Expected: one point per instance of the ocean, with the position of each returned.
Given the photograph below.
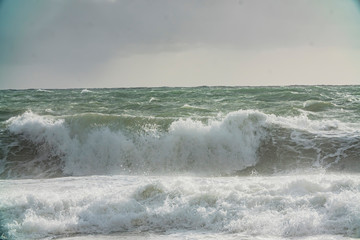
(180, 163)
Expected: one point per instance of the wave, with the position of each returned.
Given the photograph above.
(317, 106)
(86, 91)
(194, 107)
(44, 90)
(278, 207)
(239, 143)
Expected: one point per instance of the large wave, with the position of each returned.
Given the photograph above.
(241, 142)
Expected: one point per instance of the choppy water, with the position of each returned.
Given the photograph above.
(181, 163)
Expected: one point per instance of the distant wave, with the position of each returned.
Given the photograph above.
(187, 106)
(43, 90)
(316, 106)
(86, 91)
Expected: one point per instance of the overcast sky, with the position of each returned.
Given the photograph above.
(144, 43)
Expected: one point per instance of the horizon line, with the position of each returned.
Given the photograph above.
(199, 86)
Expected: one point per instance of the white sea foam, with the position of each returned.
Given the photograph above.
(44, 90)
(279, 207)
(187, 106)
(86, 91)
(153, 99)
(320, 127)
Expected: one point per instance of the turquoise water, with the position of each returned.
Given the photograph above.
(179, 163)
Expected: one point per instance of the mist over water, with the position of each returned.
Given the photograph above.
(179, 161)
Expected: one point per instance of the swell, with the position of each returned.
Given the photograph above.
(242, 142)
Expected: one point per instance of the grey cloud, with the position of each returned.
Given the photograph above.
(78, 34)
(92, 31)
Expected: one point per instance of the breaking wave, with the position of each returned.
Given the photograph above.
(241, 142)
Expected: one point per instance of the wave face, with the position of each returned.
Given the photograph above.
(183, 131)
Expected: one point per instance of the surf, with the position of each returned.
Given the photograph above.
(280, 207)
(241, 141)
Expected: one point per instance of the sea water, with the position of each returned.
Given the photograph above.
(180, 163)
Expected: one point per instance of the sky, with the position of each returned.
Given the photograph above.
(154, 43)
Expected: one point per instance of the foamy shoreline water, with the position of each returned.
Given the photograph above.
(198, 236)
(265, 207)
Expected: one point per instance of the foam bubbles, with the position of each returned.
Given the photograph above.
(279, 207)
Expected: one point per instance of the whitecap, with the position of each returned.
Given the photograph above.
(86, 91)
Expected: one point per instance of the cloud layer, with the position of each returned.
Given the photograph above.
(77, 41)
